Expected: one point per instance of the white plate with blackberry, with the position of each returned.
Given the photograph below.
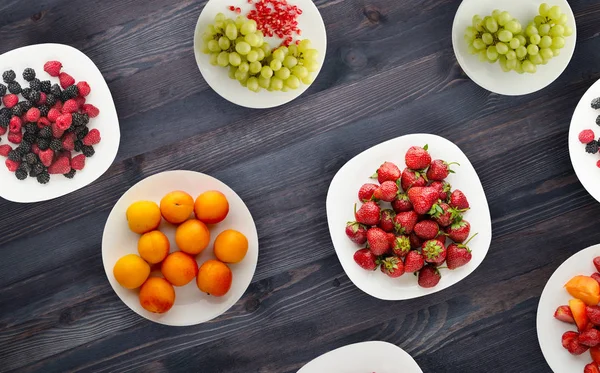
(81, 68)
(217, 76)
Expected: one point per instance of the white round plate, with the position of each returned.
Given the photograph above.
(342, 196)
(490, 76)
(191, 305)
(312, 26)
(81, 68)
(584, 163)
(365, 357)
(550, 330)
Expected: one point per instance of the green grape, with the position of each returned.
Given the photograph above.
(490, 24)
(304, 45)
(511, 55)
(292, 82)
(223, 59)
(207, 37)
(563, 19)
(308, 80)
(554, 13)
(546, 42)
(519, 68)
(472, 49)
(284, 49)
(264, 82)
(252, 56)
(558, 42)
(266, 72)
(536, 59)
(213, 46)
(261, 54)
(293, 49)
(279, 55)
(255, 67)
(220, 17)
(310, 54)
(235, 59)
(252, 84)
(283, 73)
(214, 59)
(501, 48)
(513, 26)
(556, 52)
(487, 38)
(248, 27)
(290, 61)
(546, 53)
(219, 25)
(300, 71)
(522, 39)
(244, 67)
(568, 31)
(253, 40)
(492, 53)
(266, 49)
(240, 20)
(276, 84)
(496, 14)
(543, 10)
(514, 43)
(211, 30)
(239, 39)
(224, 43)
(205, 49)
(311, 65)
(483, 55)
(231, 32)
(285, 88)
(531, 30)
(511, 64)
(275, 65)
(479, 44)
(532, 49)
(502, 62)
(505, 36)
(539, 20)
(521, 52)
(557, 30)
(243, 48)
(544, 29)
(528, 67)
(535, 39)
(241, 75)
(477, 23)
(231, 73)
(504, 18)
(468, 38)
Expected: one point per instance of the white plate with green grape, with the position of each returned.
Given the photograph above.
(527, 59)
(289, 81)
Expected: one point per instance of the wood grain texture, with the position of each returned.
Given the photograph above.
(389, 71)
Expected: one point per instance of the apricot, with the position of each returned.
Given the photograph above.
(192, 237)
(154, 247)
(214, 278)
(211, 207)
(231, 246)
(585, 288)
(179, 268)
(143, 216)
(176, 207)
(131, 271)
(577, 307)
(157, 295)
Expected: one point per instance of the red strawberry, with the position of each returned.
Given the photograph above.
(387, 220)
(5, 149)
(415, 241)
(78, 163)
(15, 138)
(401, 203)
(429, 276)
(414, 261)
(459, 200)
(593, 314)
(93, 138)
(46, 157)
(457, 255)
(405, 222)
(83, 88)
(43, 122)
(458, 231)
(442, 213)
(386, 192)
(391, 238)
(422, 198)
(43, 98)
(427, 229)
(12, 165)
(596, 262)
(443, 189)
(60, 167)
(378, 241)
(91, 110)
(596, 276)
(392, 266)
(68, 141)
(32, 115)
(53, 68)
(10, 100)
(576, 348)
(366, 259)
(366, 192)
(439, 170)
(53, 114)
(441, 237)
(69, 106)
(590, 337)
(15, 124)
(412, 178)
(387, 172)
(368, 214)
(417, 158)
(591, 368)
(65, 80)
(356, 232)
(63, 122)
(35, 149)
(434, 252)
(567, 337)
(401, 245)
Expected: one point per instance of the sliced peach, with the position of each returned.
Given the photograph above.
(577, 307)
(585, 288)
(595, 352)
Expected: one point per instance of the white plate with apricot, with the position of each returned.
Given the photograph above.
(180, 248)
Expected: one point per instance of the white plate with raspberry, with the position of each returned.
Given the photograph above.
(549, 329)
(81, 68)
(342, 196)
(367, 357)
(312, 27)
(586, 165)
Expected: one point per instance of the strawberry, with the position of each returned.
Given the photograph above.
(70, 106)
(567, 337)
(387, 172)
(5, 149)
(65, 80)
(83, 88)
(392, 266)
(60, 167)
(414, 261)
(90, 110)
(429, 276)
(459, 200)
(576, 348)
(93, 138)
(385, 192)
(427, 229)
(68, 141)
(441, 238)
(590, 337)
(596, 262)
(591, 368)
(53, 68)
(401, 245)
(63, 122)
(564, 314)
(442, 213)
(366, 259)
(368, 214)
(595, 354)
(439, 170)
(443, 189)
(417, 158)
(415, 241)
(412, 178)
(596, 276)
(53, 114)
(14, 125)
(366, 192)
(387, 220)
(593, 314)
(32, 115)
(457, 255)
(405, 222)
(458, 231)
(10, 100)
(401, 203)
(12, 165)
(46, 157)
(378, 241)
(43, 122)
(15, 138)
(355, 231)
(391, 237)
(422, 198)
(434, 252)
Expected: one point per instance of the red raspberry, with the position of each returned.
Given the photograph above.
(43, 122)
(35, 149)
(10, 100)
(32, 115)
(58, 105)
(43, 98)
(12, 165)
(68, 142)
(15, 138)
(5, 149)
(80, 101)
(56, 131)
(586, 136)
(2, 130)
(65, 80)
(60, 167)
(14, 126)
(46, 157)
(78, 162)
(64, 121)
(83, 88)
(92, 138)
(91, 110)
(53, 68)
(70, 106)
(53, 115)
(65, 153)
(598, 164)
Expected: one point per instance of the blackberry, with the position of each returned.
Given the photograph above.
(56, 145)
(45, 133)
(55, 90)
(45, 86)
(26, 92)
(598, 120)
(71, 91)
(596, 103)
(34, 97)
(24, 148)
(78, 145)
(35, 84)
(14, 87)
(31, 158)
(9, 76)
(21, 174)
(70, 174)
(26, 105)
(43, 144)
(37, 169)
(31, 128)
(30, 137)
(44, 109)
(88, 151)
(25, 167)
(80, 119)
(4, 121)
(2, 89)
(592, 147)
(14, 155)
(43, 178)
(29, 74)
(82, 132)
(50, 99)
(18, 110)
(5, 112)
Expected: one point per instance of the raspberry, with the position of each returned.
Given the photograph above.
(80, 101)
(92, 138)
(91, 110)
(35, 149)
(2, 130)
(5, 149)
(43, 122)
(70, 106)
(10, 100)
(46, 157)
(60, 167)
(42, 99)
(53, 68)
(12, 165)
(84, 89)
(15, 138)
(598, 164)
(58, 105)
(78, 162)
(32, 115)
(15, 124)
(65, 80)
(586, 136)
(68, 142)
(53, 114)
(57, 132)
(64, 121)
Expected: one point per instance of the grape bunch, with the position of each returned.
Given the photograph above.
(238, 45)
(500, 37)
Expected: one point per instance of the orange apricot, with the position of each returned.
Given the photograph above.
(585, 288)
(143, 216)
(154, 247)
(211, 207)
(179, 268)
(131, 271)
(577, 307)
(214, 278)
(231, 246)
(157, 295)
(176, 207)
(192, 237)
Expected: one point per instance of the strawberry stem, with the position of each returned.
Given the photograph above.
(473, 236)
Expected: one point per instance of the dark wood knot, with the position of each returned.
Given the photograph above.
(336, 283)
(354, 58)
(373, 14)
(252, 305)
(69, 316)
(36, 17)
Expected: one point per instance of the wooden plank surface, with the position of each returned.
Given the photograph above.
(390, 70)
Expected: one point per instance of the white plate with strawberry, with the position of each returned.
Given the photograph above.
(568, 316)
(424, 212)
(365, 357)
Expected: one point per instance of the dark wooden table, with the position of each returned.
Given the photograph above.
(390, 70)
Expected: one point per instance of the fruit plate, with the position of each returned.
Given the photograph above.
(550, 330)
(584, 163)
(490, 76)
(342, 196)
(191, 306)
(375, 356)
(80, 67)
(312, 26)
